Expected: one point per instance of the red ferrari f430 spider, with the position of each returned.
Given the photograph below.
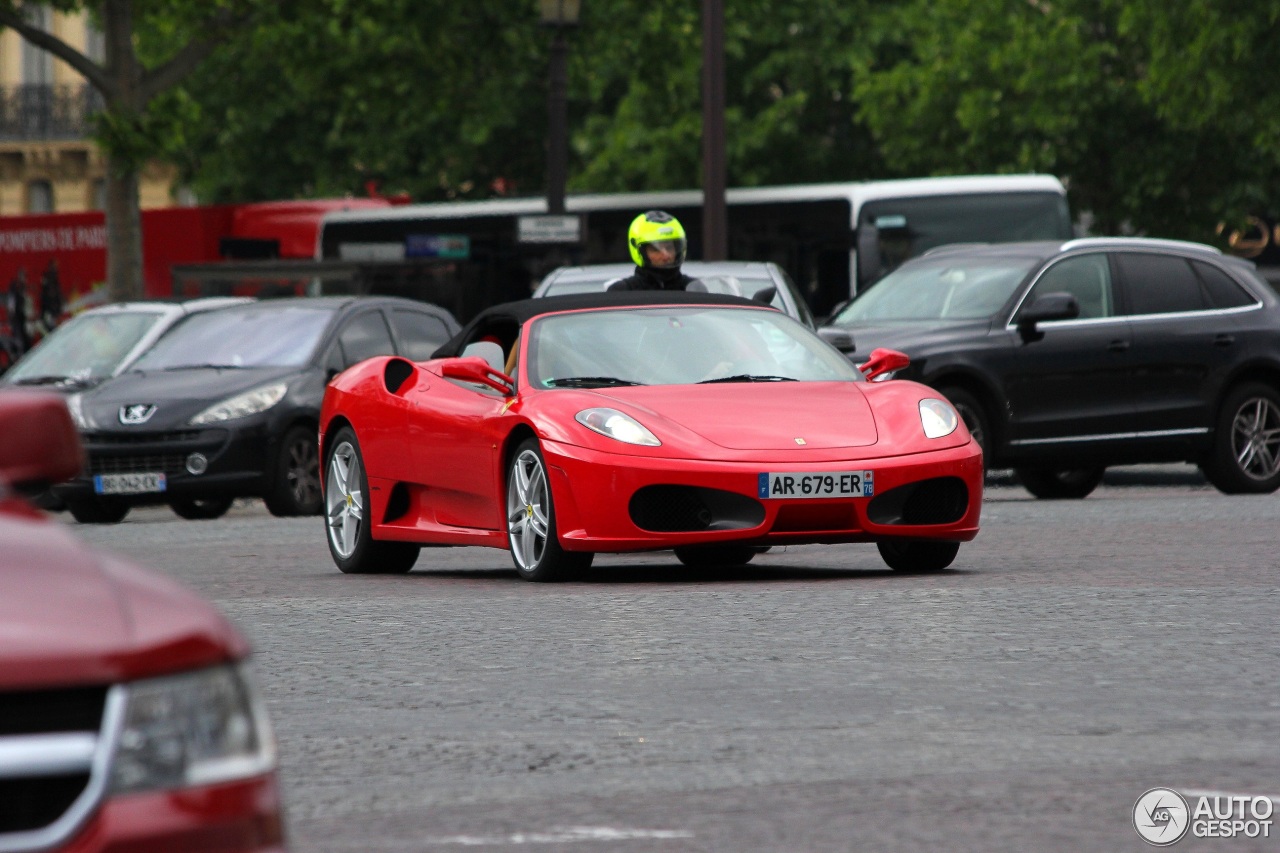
(564, 427)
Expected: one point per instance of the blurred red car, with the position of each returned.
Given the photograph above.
(128, 720)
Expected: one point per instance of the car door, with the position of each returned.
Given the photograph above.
(1182, 343)
(1072, 384)
(455, 446)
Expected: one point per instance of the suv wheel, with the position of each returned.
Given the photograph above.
(1246, 442)
(1054, 483)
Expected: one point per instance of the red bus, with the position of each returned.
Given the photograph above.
(69, 250)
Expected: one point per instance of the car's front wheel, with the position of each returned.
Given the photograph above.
(1246, 445)
(97, 510)
(917, 555)
(295, 486)
(1061, 483)
(531, 521)
(346, 490)
(197, 509)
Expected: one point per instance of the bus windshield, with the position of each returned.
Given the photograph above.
(893, 230)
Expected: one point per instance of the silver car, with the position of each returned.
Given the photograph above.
(738, 278)
(101, 343)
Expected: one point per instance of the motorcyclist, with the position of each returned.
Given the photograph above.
(658, 245)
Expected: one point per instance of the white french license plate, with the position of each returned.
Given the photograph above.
(833, 484)
(128, 484)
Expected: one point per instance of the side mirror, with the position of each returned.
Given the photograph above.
(838, 338)
(883, 363)
(41, 446)
(765, 295)
(476, 369)
(1050, 306)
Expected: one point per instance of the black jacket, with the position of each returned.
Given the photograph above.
(649, 278)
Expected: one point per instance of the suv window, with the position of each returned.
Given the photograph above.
(1159, 284)
(1222, 289)
(1087, 278)
(420, 334)
(365, 336)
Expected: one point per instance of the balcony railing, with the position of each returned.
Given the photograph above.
(47, 112)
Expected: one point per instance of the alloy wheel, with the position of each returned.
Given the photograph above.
(344, 500)
(1255, 438)
(303, 473)
(527, 506)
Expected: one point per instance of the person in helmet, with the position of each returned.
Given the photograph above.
(657, 243)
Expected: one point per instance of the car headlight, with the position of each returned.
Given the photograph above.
(243, 405)
(938, 418)
(617, 425)
(198, 728)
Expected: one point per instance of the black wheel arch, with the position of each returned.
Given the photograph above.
(985, 392)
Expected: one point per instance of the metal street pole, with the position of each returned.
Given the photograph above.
(714, 219)
(557, 125)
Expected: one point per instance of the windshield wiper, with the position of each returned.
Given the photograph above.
(748, 377)
(590, 382)
(204, 367)
(78, 381)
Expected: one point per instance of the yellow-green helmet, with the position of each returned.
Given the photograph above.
(656, 227)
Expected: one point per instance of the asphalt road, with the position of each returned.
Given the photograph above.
(1080, 653)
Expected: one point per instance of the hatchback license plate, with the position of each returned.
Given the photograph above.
(128, 484)
(835, 484)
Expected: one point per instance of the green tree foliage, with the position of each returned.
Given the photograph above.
(1158, 116)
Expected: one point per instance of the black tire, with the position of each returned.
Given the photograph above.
(1245, 458)
(975, 418)
(354, 550)
(531, 521)
(96, 510)
(711, 556)
(295, 488)
(1060, 483)
(200, 509)
(917, 555)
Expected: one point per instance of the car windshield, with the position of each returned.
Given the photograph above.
(947, 288)
(281, 336)
(735, 285)
(84, 349)
(679, 346)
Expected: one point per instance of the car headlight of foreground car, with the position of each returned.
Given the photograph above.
(242, 405)
(618, 426)
(197, 728)
(938, 418)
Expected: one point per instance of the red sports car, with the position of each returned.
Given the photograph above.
(568, 426)
(127, 720)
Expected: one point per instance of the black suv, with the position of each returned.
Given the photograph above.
(1064, 358)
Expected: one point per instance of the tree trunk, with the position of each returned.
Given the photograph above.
(124, 233)
(124, 220)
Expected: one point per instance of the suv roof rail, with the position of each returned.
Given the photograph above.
(1139, 242)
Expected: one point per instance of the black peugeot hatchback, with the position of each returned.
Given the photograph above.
(1066, 358)
(227, 405)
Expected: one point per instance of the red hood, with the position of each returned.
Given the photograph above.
(759, 416)
(70, 616)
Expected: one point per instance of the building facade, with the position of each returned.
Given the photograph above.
(48, 163)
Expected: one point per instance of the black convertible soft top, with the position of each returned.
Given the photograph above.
(503, 321)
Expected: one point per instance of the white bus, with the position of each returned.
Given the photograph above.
(833, 239)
